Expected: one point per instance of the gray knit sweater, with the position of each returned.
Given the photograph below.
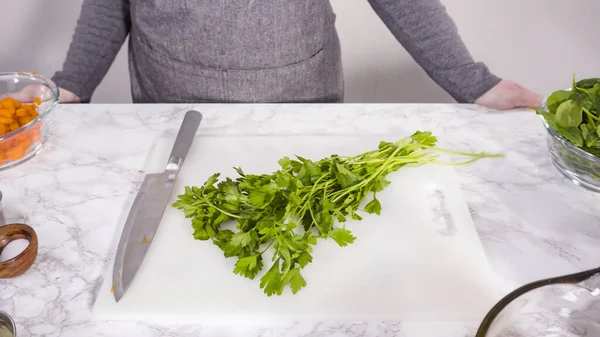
(253, 50)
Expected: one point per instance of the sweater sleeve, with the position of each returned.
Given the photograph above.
(102, 27)
(427, 32)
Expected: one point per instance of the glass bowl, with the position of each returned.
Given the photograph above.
(566, 306)
(26, 104)
(578, 165)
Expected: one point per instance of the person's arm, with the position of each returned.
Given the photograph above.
(431, 37)
(102, 27)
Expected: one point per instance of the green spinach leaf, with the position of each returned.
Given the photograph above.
(569, 114)
(587, 83)
(556, 98)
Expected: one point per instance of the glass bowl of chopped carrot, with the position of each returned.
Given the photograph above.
(26, 104)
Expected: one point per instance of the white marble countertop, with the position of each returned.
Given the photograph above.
(532, 221)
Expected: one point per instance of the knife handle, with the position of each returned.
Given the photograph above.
(185, 137)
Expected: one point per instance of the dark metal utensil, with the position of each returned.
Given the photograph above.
(148, 208)
(495, 312)
(6, 322)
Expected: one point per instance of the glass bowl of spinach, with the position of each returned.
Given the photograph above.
(572, 119)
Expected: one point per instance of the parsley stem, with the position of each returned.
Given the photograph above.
(367, 154)
(269, 246)
(396, 160)
(459, 153)
(456, 163)
(309, 206)
(384, 166)
(220, 210)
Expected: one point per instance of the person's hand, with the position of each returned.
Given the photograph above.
(509, 95)
(65, 96)
(27, 94)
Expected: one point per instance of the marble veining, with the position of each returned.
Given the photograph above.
(533, 222)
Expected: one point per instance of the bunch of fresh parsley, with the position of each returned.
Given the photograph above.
(289, 210)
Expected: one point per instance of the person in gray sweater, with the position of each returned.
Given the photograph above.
(196, 51)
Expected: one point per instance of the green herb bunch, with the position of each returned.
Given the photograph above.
(289, 210)
(575, 114)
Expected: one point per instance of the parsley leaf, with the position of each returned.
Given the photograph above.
(424, 138)
(285, 162)
(309, 173)
(373, 207)
(345, 177)
(342, 236)
(295, 279)
(271, 282)
(241, 239)
(248, 266)
(304, 259)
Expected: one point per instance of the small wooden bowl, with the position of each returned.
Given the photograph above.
(22, 262)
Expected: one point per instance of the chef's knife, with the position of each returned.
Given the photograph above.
(148, 207)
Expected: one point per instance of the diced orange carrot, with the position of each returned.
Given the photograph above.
(35, 135)
(15, 153)
(6, 113)
(14, 125)
(24, 111)
(25, 143)
(8, 103)
(24, 120)
(37, 101)
(22, 137)
(4, 146)
(4, 120)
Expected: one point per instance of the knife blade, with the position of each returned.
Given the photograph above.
(148, 207)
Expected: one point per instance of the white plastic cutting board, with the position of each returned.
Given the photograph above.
(405, 264)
